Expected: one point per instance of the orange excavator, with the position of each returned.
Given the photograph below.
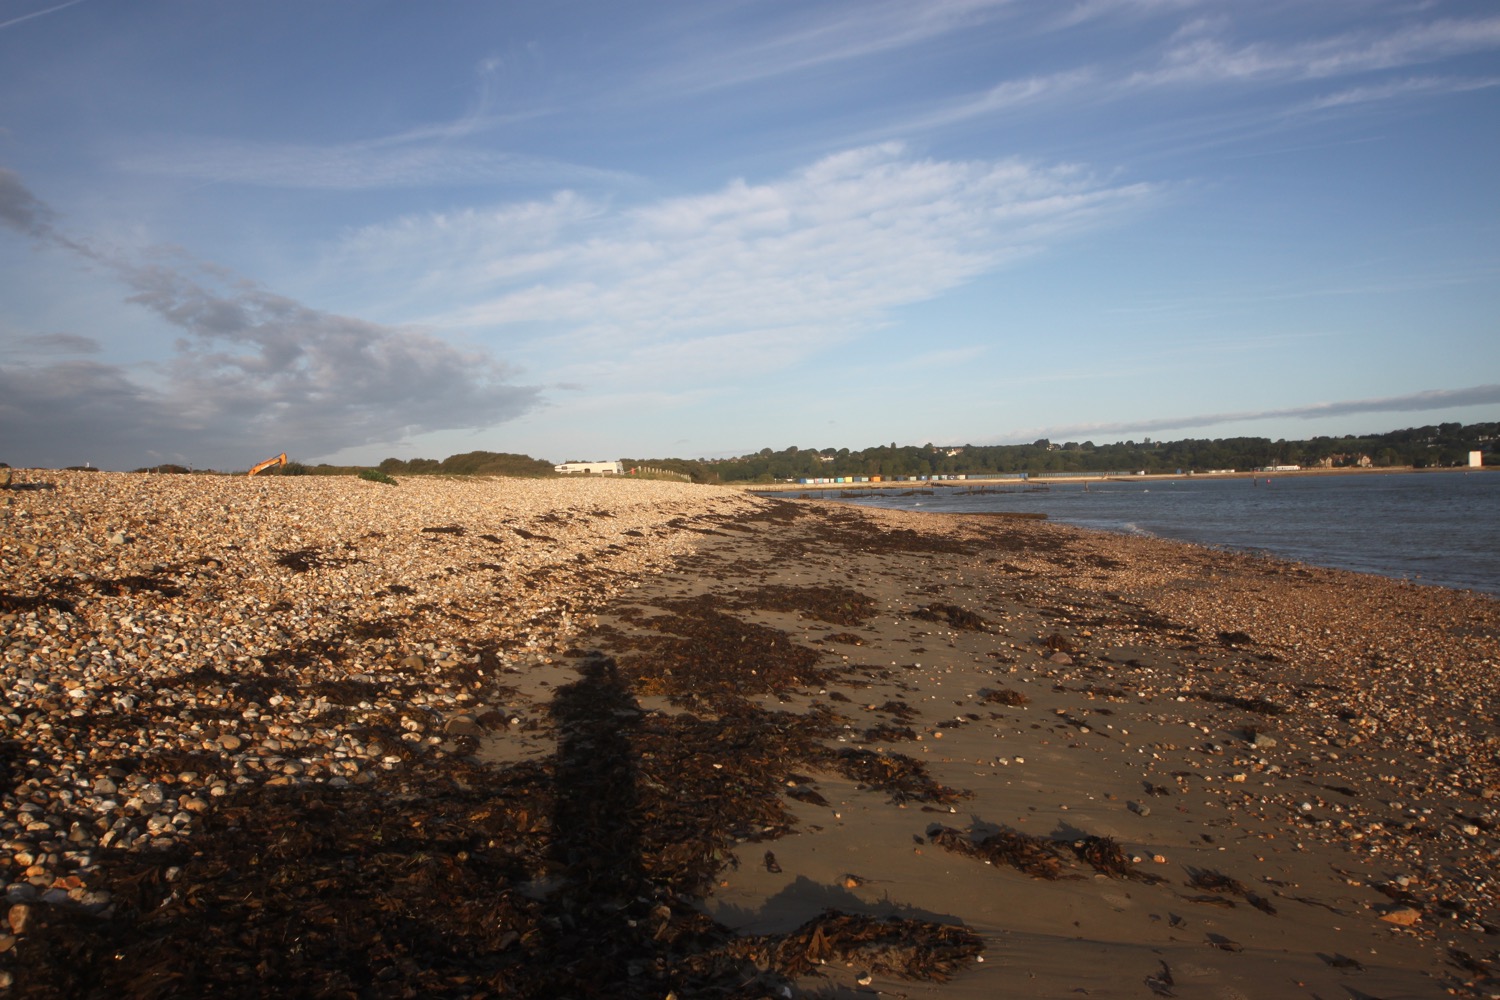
(263, 466)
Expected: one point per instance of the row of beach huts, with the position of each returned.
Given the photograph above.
(839, 480)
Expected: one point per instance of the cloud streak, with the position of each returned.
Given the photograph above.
(39, 13)
(1201, 59)
(396, 162)
(750, 277)
(1417, 402)
(255, 371)
(820, 39)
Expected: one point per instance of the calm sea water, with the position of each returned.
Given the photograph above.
(1436, 528)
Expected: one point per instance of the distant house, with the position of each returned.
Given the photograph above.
(590, 468)
(1476, 459)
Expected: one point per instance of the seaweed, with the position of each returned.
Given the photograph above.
(956, 617)
(1034, 856)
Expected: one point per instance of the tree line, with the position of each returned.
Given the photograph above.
(1433, 446)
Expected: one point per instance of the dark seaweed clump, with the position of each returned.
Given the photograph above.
(835, 605)
(955, 616)
(1035, 856)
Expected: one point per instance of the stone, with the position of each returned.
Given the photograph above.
(1402, 916)
(230, 742)
(1262, 741)
(20, 917)
(463, 725)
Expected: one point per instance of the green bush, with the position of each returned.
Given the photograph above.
(376, 476)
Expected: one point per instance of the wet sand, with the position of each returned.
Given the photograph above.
(1047, 762)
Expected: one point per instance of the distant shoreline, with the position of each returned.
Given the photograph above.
(1101, 477)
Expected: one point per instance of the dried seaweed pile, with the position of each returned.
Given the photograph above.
(955, 616)
(910, 949)
(1003, 696)
(1035, 856)
(709, 658)
(905, 778)
(1041, 857)
(835, 605)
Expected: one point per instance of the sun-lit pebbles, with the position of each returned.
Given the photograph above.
(165, 639)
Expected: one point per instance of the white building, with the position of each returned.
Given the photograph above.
(594, 468)
(1476, 459)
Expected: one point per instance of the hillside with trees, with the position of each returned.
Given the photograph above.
(1433, 446)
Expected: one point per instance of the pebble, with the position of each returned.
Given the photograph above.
(203, 585)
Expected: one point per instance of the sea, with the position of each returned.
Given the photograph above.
(1440, 528)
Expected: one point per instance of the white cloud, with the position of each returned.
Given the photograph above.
(1201, 59)
(753, 274)
(1423, 86)
(1004, 96)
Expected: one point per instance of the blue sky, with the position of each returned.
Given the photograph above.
(582, 230)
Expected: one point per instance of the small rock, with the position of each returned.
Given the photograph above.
(230, 742)
(1062, 658)
(1139, 808)
(463, 725)
(20, 917)
(1263, 742)
(1402, 916)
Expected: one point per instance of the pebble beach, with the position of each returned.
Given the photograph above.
(760, 747)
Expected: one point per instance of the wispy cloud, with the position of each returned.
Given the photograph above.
(821, 35)
(38, 13)
(1005, 96)
(1420, 86)
(256, 370)
(1417, 402)
(50, 344)
(394, 162)
(1203, 59)
(748, 276)
(1091, 10)
(426, 154)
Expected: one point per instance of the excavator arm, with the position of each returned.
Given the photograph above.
(263, 466)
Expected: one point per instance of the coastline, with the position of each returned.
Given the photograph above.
(1089, 477)
(451, 641)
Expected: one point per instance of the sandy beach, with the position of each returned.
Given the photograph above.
(318, 736)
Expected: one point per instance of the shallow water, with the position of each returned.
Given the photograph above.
(1437, 528)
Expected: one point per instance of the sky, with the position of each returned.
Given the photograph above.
(582, 230)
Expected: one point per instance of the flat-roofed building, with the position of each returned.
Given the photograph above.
(590, 468)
